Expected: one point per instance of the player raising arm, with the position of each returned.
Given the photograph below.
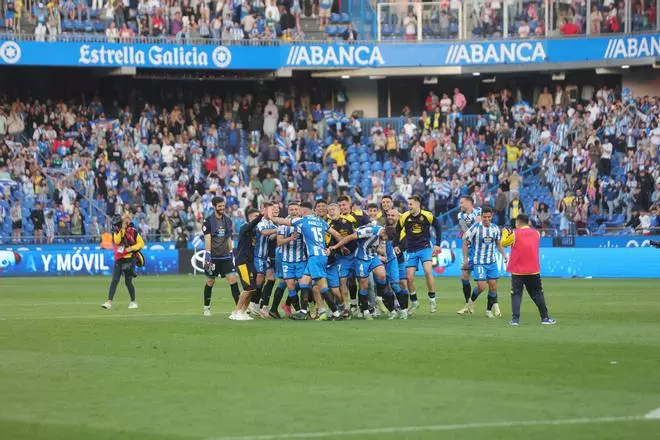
(485, 238)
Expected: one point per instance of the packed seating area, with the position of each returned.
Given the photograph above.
(115, 20)
(238, 20)
(576, 165)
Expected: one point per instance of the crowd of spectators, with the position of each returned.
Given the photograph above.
(486, 18)
(574, 162)
(229, 20)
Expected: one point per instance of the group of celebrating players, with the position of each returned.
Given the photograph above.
(330, 253)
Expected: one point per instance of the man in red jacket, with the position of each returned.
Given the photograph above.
(525, 268)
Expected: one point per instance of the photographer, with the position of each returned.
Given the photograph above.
(126, 243)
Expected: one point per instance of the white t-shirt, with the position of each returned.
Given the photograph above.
(409, 129)
(607, 150)
(655, 136)
(410, 23)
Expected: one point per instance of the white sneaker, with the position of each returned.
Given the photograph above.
(107, 305)
(496, 310)
(489, 314)
(414, 305)
(253, 310)
(381, 305)
(434, 306)
(366, 315)
(403, 314)
(207, 310)
(467, 310)
(132, 305)
(264, 312)
(393, 315)
(470, 306)
(242, 316)
(232, 316)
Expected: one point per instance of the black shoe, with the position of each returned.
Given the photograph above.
(275, 314)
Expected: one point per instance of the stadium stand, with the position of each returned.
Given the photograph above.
(589, 167)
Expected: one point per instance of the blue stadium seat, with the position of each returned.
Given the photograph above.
(335, 18)
(99, 26)
(345, 18)
(331, 31)
(67, 26)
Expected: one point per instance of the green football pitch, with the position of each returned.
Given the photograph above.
(70, 370)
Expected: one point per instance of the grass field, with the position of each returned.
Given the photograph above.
(70, 370)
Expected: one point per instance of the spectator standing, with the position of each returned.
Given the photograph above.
(16, 221)
(38, 221)
(410, 26)
(459, 100)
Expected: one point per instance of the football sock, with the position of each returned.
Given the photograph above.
(413, 297)
(431, 295)
(305, 294)
(352, 288)
(475, 293)
(364, 300)
(293, 299)
(256, 295)
(235, 292)
(279, 293)
(492, 299)
(467, 289)
(327, 296)
(403, 299)
(207, 294)
(388, 300)
(267, 291)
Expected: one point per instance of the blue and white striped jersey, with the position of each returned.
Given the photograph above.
(484, 240)
(261, 247)
(313, 230)
(294, 251)
(467, 219)
(368, 241)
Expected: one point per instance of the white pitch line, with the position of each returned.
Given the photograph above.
(453, 427)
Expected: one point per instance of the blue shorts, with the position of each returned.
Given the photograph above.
(260, 264)
(403, 273)
(346, 266)
(483, 272)
(365, 267)
(316, 267)
(419, 256)
(279, 269)
(392, 270)
(293, 271)
(333, 276)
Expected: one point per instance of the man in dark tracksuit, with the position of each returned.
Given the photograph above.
(126, 242)
(244, 260)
